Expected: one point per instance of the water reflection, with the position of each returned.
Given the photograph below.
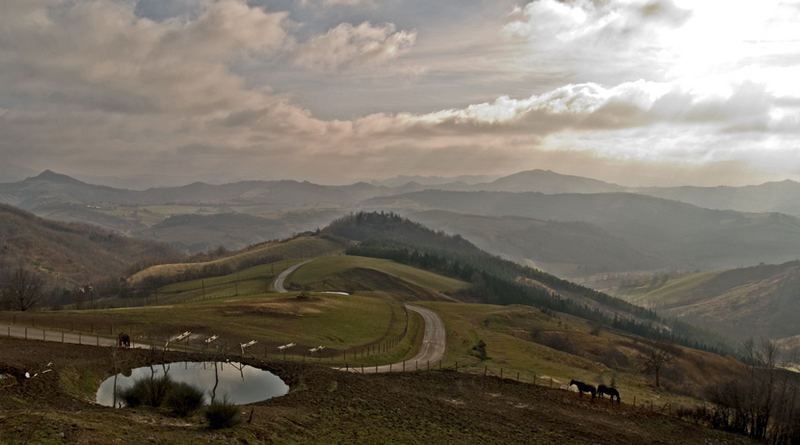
(241, 384)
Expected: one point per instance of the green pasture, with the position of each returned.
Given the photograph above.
(509, 333)
(300, 247)
(324, 271)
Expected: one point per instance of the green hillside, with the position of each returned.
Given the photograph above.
(348, 272)
(298, 247)
(741, 303)
(497, 281)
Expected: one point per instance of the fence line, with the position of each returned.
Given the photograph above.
(225, 351)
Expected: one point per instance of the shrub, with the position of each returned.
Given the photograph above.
(479, 350)
(183, 399)
(147, 391)
(222, 415)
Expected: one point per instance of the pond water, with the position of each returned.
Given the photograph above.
(241, 384)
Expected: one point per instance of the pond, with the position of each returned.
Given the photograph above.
(241, 384)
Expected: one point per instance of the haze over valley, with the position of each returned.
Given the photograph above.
(477, 222)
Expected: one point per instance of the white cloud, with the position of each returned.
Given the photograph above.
(89, 83)
(347, 46)
(341, 2)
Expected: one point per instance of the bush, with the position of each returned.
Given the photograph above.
(479, 350)
(183, 399)
(222, 415)
(147, 391)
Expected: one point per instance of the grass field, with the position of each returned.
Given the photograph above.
(524, 340)
(323, 406)
(328, 271)
(675, 291)
(338, 322)
(300, 247)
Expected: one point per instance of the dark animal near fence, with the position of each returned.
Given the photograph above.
(611, 391)
(124, 340)
(584, 387)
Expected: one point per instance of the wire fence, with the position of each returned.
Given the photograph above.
(347, 360)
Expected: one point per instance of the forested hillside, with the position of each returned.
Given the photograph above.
(65, 255)
(497, 281)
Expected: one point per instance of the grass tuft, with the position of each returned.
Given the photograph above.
(222, 414)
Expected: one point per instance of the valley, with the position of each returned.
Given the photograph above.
(486, 263)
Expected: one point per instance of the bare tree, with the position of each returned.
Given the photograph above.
(22, 289)
(654, 360)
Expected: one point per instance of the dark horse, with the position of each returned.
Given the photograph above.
(611, 391)
(583, 387)
(123, 340)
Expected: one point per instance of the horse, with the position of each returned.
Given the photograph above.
(584, 387)
(610, 390)
(123, 340)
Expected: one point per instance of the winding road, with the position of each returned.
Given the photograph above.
(278, 285)
(433, 341)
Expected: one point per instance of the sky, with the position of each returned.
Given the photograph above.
(167, 92)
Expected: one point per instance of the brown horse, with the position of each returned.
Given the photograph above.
(584, 387)
(123, 340)
(610, 390)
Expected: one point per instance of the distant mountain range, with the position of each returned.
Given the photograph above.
(566, 224)
(566, 248)
(672, 233)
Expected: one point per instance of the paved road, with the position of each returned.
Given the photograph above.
(278, 286)
(430, 353)
(433, 341)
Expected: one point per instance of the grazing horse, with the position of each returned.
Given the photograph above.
(584, 387)
(123, 340)
(610, 390)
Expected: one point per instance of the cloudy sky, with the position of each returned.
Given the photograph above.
(157, 92)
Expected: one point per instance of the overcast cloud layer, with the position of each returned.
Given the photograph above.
(172, 91)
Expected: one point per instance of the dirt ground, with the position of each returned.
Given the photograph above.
(323, 406)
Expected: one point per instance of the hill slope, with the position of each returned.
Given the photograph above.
(73, 253)
(569, 249)
(741, 303)
(681, 235)
(768, 197)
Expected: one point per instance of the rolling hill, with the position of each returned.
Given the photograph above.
(759, 301)
(768, 197)
(569, 249)
(675, 234)
(69, 254)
